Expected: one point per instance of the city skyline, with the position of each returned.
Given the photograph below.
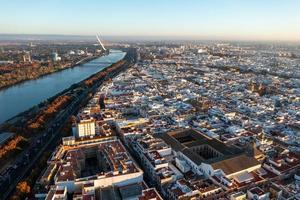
(164, 100)
(203, 20)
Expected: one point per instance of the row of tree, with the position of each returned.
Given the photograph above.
(19, 74)
(104, 73)
(10, 146)
(46, 114)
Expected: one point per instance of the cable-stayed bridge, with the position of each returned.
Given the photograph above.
(101, 44)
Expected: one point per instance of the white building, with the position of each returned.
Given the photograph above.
(86, 128)
(57, 193)
(56, 57)
(258, 194)
(238, 196)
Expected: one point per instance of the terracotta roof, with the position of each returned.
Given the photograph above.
(184, 140)
(150, 193)
(236, 164)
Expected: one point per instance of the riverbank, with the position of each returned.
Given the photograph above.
(20, 98)
(81, 62)
(34, 109)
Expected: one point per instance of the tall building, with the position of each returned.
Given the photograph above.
(86, 128)
(56, 57)
(27, 57)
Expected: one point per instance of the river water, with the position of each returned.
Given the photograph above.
(23, 96)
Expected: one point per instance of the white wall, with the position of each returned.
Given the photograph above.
(120, 180)
(207, 169)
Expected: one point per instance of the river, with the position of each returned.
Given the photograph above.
(20, 97)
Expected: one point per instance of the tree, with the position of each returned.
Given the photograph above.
(11, 145)
(23, 188)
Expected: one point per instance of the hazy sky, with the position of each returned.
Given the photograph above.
(194, 19)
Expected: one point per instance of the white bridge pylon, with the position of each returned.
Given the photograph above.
(101, 44)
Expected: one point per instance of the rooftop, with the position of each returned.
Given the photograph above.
(83, 161)
(236, 164)
(191, 142)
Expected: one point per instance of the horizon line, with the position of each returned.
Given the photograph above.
(153, 37)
